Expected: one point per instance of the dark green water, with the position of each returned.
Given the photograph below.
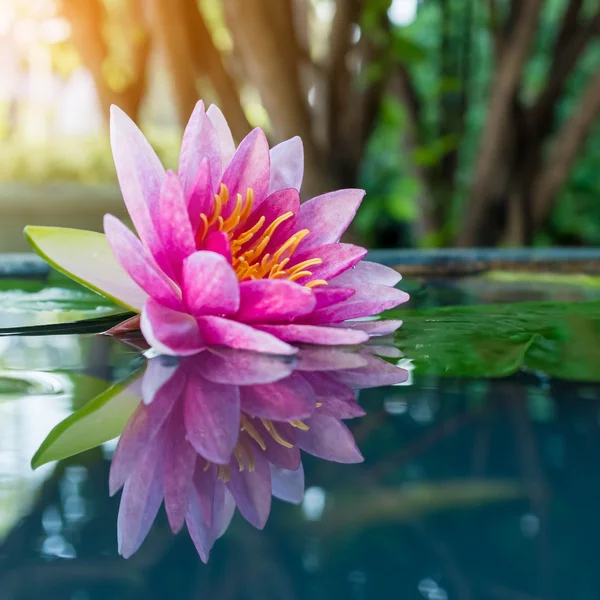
(480, 480)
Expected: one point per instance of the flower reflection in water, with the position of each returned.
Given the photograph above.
(224, 429)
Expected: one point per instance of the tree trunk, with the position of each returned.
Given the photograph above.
(170, 30)
(502, 97)
(87, 22)
(271, 61)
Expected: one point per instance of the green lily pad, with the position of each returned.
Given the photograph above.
(86, 257)
(99, 421)
(557, 339)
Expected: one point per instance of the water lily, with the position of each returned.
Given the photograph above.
(226, 253)
(224, 429)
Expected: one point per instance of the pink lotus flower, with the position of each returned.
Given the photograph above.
(226, 254)
(225, 428)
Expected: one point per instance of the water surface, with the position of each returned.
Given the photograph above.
(480, 478)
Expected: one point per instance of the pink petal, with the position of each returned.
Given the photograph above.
(237, 367)
(369, 299)
(200, 141)
(218, 242)
(204, 502)
(328, 216)
(337, 399)
(212, 418)
(140, 501)
(336, 258)
(368, 272)
(224, 332)
(159, 371)
(272, 300)
(251, 490)
(179, 464)
(226, 142)
(287, 165)
(249, 168)
(170, 332)
(377, 373)
(288, 485)
(332, 358)
(374, 328)
(329, 439)
(311, 334)
(139, 264)
(174, 224)
(286, 400)
(210, 285)
(328, 295)
(201, 196)
(141, 430)
(140, 174)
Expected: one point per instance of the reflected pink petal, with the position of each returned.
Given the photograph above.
(288, 485)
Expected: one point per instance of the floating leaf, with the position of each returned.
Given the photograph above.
(558, 339)
(86, 257)
(100, 420)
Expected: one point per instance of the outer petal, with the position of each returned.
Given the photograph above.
(336, 258)
(249, 168)
(329, 439)
(286, 400)
(374, 328)
(368, 272)
(326, 296)
(337, 399)
(141, 430)
(174, 225)
(141, 499)
(272, 300)
(140, 174)
(179, 463)
(237, 367)
(210, 285)
(170, 332)
(200, 141)
(329, 358)
(369, 299)
(212, 418)
(224, 332)
(328, 216)
(309, 334)
(287, 165)
(377, 373)
(226, 143)
(204, 503)
(251, 490)
(139, 264)
(288, 485)
(201, 196)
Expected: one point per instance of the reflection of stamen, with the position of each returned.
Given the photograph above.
(247, 451)
(224, 472)
(275, 434)
(300, 425)
(206, 466)
(319, 404)
(238, 456)
(251, 431)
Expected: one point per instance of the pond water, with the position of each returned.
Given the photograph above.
(480, 477)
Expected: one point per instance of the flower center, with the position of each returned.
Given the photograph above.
(243, 451)
(248, 246)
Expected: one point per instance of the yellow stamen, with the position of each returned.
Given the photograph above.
(313, 262)
(315, 283)
(275, 434)
(296, 276)
(248, 206)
